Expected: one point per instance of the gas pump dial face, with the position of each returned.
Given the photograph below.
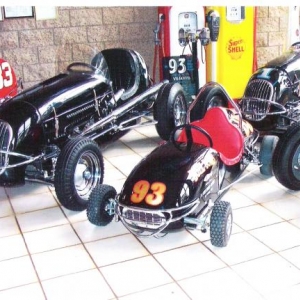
(188, 22)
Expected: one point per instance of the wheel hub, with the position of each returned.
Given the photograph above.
(87, 175)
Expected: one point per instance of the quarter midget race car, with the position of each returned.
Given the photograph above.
(181, 183)
(271, 104)
(52, 132)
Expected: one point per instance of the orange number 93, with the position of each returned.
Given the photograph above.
(141, 192)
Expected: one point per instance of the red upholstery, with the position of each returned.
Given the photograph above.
(227, 138)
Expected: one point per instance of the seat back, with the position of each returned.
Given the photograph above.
(227, 138)
(124, 70)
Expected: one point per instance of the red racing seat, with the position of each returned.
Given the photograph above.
(227, 138)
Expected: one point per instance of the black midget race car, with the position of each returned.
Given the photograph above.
(271, 101)
(181, 183)
(51, 132)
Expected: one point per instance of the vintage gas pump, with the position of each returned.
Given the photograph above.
(231, 61)
(183, 38)
(213, 23)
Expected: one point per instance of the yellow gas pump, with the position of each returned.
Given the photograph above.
(231, 59)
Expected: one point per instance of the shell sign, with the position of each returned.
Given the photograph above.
(236, 47)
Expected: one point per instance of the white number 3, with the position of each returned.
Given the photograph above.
(6, 76)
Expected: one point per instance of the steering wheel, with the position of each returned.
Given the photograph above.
(81, 64)
(186, 147)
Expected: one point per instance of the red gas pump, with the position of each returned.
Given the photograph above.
(182, 39)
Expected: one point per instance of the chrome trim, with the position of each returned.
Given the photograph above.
(6, 136)
(258, 101)
(256, 109)
(259, 89)
(122, 109)
(166, 216)
(28, 160)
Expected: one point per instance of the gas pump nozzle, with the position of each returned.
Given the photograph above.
(204, 36)
(181, 37)
(156, 31)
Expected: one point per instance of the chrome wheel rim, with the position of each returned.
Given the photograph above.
(179, 111)
(296, 163)
(87, 174)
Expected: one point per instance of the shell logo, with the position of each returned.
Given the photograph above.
(236, 47)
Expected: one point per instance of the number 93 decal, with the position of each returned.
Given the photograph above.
(152, 194)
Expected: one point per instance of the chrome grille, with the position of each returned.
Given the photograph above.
(256, 101)
(143, 219)
(5, 141)
(259, 89)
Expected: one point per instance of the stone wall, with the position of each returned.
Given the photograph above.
(271, 32)
(31, 46)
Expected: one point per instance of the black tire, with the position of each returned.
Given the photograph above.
(170, 109)
(72, 184)
(220, 223)
(286, 158)
(211, 97)
(267, 148)
(100, 211)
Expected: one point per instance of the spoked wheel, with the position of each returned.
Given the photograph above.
(212, 96)
(221, 223)
(286, 158)
(267, 148)
(101, 206)
(170, 109)
(79, 169)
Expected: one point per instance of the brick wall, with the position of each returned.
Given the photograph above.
(271, 30)
(31, 46)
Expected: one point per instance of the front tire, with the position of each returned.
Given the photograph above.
(100, 209)
(79, 169)
(211, 97)
(170, 109)
(286, 158)
(220, 223)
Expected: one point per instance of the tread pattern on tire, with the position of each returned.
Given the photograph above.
(218, 224)
(162, 109)
(282, 159)
(64, 189)
(95, 208)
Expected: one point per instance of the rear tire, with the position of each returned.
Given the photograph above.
(286, 158)
(170, 109)
(79, 169)
(220, 223)
(211, 97)
(100, 209)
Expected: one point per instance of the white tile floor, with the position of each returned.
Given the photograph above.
(48, 252)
